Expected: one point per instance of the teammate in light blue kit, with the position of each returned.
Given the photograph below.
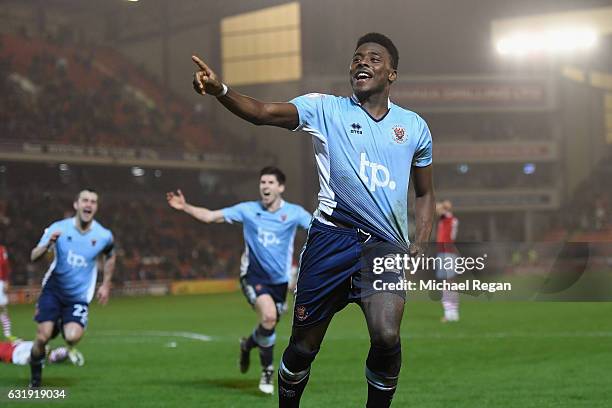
(269, 227)
(367, 149)
(69, 284)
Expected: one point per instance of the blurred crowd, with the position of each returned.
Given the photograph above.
(54, 93)
(590, 206)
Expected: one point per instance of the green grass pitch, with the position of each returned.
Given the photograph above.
(514, 354)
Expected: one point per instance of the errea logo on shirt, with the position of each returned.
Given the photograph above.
(356, 129)
(379, 175)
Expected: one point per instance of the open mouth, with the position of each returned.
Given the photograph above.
(266, 194)
(87, 211)
(362, 76)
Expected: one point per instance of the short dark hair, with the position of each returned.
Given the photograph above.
(91, 190)
(280, 176)
(383, 40)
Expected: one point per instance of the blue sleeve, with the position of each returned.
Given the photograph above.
(44, 240)
(310, 110)
(423, 153)
(304, 218)
(234, 213)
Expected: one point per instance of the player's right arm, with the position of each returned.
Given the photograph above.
(281, 114)
(44, 245)
(178, 202)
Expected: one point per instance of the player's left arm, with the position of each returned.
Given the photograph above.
(109, 268)
(422, 178)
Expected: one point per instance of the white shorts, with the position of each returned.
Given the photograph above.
(21, 354)
(3, 295)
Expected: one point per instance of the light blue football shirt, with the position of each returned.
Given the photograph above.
(74, 270)
(268, 238)
(364, 164)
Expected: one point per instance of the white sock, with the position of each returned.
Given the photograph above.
(6, 324)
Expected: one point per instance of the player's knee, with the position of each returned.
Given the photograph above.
(42, 338)
(385, 337)
(72, 335)
(296, 361)
(268, 320)
(43, 335)
(304, 347)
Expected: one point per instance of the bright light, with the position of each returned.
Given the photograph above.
(64, 167)
(552, 41)
(463, 168)
(137, 171)
(529, 168)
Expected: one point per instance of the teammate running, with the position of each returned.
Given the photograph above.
(69, 284)
(269, 227)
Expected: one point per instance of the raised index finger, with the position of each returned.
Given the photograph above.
(200, 63)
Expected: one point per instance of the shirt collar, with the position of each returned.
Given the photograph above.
(282, 204)
(356, 100)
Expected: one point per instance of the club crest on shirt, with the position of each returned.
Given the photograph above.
(93, 242)
(283, 217)
(399, 134)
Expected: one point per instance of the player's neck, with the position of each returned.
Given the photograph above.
(274, 205)
(82, 226)
(376, 104)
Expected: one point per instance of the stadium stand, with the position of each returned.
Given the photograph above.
(62, 94)
(590, 209)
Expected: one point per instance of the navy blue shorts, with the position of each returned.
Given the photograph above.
(336, 268)
(252, 288)
(52, 308)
